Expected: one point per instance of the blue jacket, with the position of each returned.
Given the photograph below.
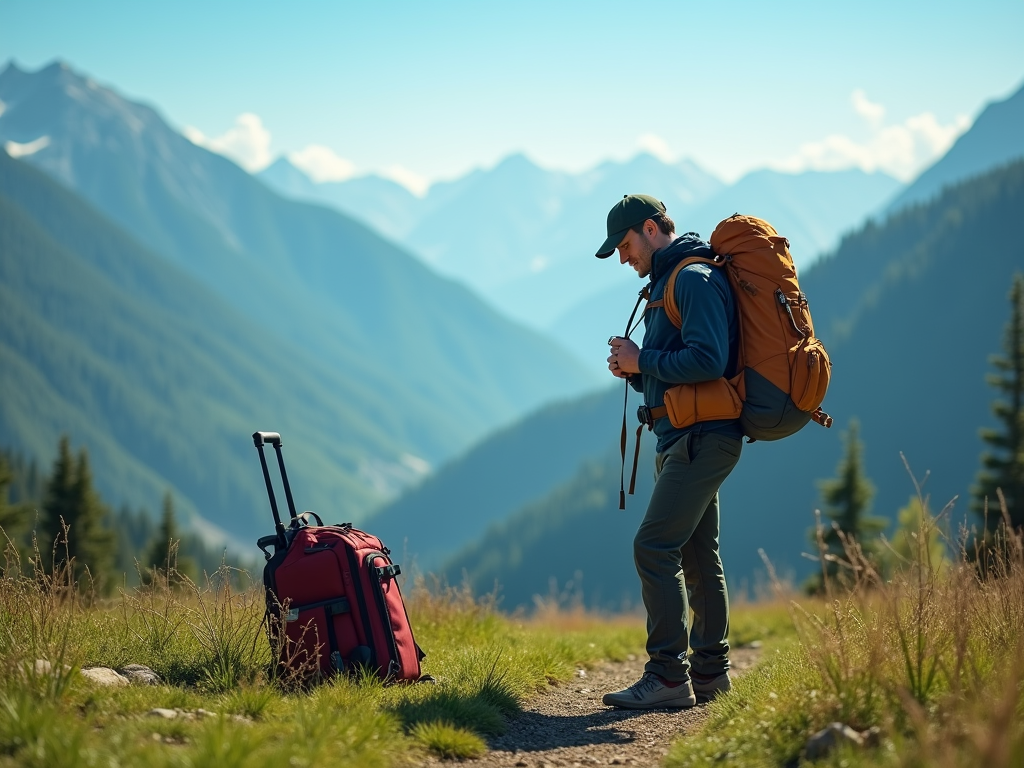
(706, 346)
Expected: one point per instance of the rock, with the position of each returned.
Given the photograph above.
(42, 667)
(826, 740)
(104, 676)
(754, 644)
(581, 673)
(140, 674)
(205, 713)
(166, 714)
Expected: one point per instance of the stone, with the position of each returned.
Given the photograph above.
(581, 673)
(140, 674)
(166, 714)
(43, 667)
(104, 676)
(826, 740)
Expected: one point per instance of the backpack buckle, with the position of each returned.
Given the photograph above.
(643, 415)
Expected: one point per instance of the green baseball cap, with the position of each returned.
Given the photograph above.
(628, 212)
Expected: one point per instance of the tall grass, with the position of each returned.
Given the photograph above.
(931, 653)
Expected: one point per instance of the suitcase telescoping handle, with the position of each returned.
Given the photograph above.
(259, 438)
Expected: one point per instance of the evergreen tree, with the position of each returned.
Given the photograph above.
(91, 540)
(7, 518)
(58, 504)
(847, 502)
(1003, 466)
(72, 502)
(163, 554)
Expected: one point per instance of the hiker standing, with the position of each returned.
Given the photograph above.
(676, 546)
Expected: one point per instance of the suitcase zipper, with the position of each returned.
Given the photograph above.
(363, 613)
(383, 607)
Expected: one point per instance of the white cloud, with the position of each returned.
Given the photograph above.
(322, 164)
(655, 145)
(869, 110)
(247, 143)
(902, 149)
(411, 180)
(14, 149)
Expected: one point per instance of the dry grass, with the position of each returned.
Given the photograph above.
(932, 653)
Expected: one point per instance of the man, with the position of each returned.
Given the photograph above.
(676, 546)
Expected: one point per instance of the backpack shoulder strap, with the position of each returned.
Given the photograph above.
(668, 299)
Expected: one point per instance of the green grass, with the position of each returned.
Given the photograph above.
(208, 645)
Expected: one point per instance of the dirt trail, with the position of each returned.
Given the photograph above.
(567, 725)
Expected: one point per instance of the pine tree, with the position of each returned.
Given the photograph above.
(72, 503)
(847, 502)
(91, 542)
(163, 555)
(58, 504)
(7, 519)
(1003, 466)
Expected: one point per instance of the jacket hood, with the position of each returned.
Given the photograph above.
(684, 246)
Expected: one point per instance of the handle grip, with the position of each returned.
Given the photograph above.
(260, 438)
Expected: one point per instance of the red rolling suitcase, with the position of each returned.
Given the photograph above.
(333, 591)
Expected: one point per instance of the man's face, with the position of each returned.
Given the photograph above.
(636, 249)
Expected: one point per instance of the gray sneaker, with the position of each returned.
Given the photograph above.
(650, 693)
(709, 688)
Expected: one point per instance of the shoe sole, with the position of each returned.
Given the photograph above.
(668, 704)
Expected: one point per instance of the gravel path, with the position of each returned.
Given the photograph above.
(567, 725)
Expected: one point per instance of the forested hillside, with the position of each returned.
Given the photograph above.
(436, 354)
(164, 383)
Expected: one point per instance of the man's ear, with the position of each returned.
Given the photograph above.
(650, 228)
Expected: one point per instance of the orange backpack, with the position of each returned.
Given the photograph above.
(783, 369)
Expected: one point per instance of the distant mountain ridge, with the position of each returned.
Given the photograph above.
(317, 278)
(996, 138)
(524, 236)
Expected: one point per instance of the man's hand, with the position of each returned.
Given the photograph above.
(624, 357)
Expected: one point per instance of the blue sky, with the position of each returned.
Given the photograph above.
(423, 91)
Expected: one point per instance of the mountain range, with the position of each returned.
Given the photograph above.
(993, 140)
(524, 237)
(386, 341)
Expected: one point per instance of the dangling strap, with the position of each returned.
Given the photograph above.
(644, 294)
(821, 418)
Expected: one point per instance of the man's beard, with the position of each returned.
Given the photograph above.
(647, 252)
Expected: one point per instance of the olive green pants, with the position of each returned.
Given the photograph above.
(676, 554)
